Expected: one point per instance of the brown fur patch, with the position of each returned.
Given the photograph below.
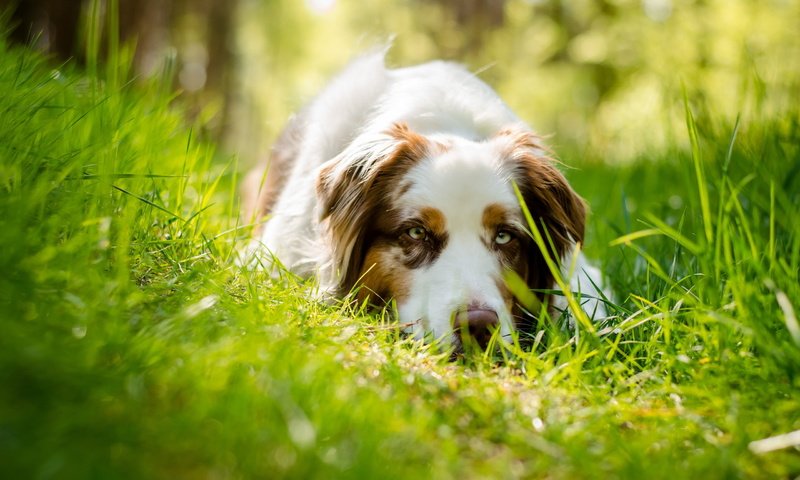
(434, 220)
(494, 215)
(383, 277)
(415, 145)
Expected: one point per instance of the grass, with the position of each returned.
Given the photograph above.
(132, 346)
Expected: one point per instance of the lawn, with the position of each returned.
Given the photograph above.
(132, 344)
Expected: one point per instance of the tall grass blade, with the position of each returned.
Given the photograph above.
(552, 265)
(702, 187)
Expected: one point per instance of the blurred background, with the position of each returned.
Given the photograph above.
(604, 78)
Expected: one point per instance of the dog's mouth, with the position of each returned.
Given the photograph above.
(464, 345)
(465, 340)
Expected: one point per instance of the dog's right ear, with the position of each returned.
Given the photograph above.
(356, 184)
(351, 175)
(548, 195)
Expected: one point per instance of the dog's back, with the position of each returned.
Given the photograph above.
(315, 134)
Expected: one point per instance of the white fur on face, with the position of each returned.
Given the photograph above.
(460, 183)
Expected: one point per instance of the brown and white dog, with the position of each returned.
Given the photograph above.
(398, 184)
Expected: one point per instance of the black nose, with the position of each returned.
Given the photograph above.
(479, 323)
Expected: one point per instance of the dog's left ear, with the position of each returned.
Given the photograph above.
(549, 197)
(356, 184)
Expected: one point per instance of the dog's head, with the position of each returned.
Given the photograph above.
(434, 223)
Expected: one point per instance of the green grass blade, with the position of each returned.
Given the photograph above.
(702, 188)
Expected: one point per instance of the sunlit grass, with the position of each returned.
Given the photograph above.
(133, 346)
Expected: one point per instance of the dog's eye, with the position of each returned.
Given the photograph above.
(417, 233)
(502, 237)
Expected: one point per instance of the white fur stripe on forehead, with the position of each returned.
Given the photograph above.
(461, 182)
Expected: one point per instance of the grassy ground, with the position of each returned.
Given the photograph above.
(131, 345)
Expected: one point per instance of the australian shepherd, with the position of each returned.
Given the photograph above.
(405, 184)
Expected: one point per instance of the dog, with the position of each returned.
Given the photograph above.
(399, 184)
